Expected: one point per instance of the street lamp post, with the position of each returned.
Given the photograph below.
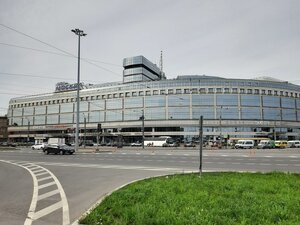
(79, 33)
(143, 128)
(28, 129)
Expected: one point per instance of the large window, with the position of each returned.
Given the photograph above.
(66, 118)
(202, 100)
(97, 105)
(207, 113)
(17, 112)
(288, 103)
(155, 113)
(132, 114)
(68, 107)
(250, 100)
(179, 100)
(289, 114)
(83, 107)
(114, 104)
(271, 101)
(17, 120)
(155, 101)
(28, 111)
(271, 114)
(252, 113)
(39, 120)
(298, 103)
(52, 119)
(230, 100)
(52, 109)
(298, 115)
(40, 110)
(96, 116)
(113, 115)
(228, 113)
(179, 113)
(133, 103)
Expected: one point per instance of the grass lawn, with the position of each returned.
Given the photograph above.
(214, 198)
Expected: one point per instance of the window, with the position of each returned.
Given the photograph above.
(210, 90)
(276, 93)
(109, 96)
(103, 96)
(170, 91)
(141, 93)
(186, 91)
(226, 90)
(148, 93)
(250, 100)
(269, 92)
(249, 91)
(281, 93)
(178, 91)
(219, 90)
(227, 100)
(256, 91)
(115, 95)
(121, 95)
(162, 92)
(155, 92)
(134, 94)
(202, 90)
(263, 92)
(155, 101)
(242, 91)
(234, 90)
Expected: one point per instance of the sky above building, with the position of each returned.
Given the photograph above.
(226, 38)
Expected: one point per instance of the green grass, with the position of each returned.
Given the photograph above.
(215, 198)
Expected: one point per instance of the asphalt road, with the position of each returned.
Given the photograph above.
(86, 177)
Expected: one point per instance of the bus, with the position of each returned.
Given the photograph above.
(161, 141)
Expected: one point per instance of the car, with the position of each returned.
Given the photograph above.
(189, 144)
(38, 146)
(281, 144)
(263, 144)
(173, 144)
(8, 144)
(293, 144)
(136, 144)
(244, 144)
(58, 149)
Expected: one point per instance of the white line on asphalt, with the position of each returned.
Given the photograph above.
(48, 194)
(47, 210)
(44, 178)
(46, 185)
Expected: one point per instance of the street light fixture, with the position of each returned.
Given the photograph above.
(79, 33)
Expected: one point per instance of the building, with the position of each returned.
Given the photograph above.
(3, 128)
(235, 108)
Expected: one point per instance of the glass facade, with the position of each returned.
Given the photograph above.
(245, 105)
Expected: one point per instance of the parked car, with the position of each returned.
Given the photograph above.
(58, 149)
(38, 146)
(8, 144)
(136, 144)
(293, 144)
(263, 144)
(189, 144)
(244, 144)
(281, 144)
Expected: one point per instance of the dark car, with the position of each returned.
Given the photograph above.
(59, 149)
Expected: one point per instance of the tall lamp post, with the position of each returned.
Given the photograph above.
(79, 33)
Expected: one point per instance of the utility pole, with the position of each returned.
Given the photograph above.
(28, 129)
(200, 143)
(143, 128)
(79, 33)
(84, 138)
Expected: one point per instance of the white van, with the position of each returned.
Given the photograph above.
(244, 144)
(293, 144)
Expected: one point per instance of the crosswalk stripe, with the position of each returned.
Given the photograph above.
(47, 210)
(48, 194)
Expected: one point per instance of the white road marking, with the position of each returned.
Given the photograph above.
(32, 214)
(47, 210)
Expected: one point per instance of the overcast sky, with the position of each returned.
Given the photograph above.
(227, 38)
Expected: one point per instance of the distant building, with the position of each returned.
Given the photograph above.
(235, 108)
(3, 128)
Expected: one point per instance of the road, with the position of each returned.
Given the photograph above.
(59, 189)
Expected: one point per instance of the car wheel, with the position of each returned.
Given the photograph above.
(61, 152)
(71, 153)
(32, 148)
(46, 152)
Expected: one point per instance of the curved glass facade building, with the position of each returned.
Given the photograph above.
(235, 108)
